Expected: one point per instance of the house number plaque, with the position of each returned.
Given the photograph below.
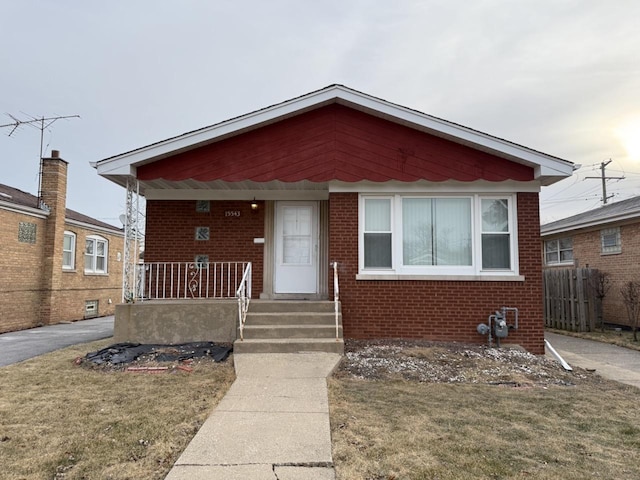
(232, 213)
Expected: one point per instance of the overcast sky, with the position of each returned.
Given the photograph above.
(562, 77)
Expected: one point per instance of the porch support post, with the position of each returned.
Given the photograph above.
(323, 273)
(131, 229)
(269, 252)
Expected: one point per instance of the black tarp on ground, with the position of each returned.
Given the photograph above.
(119, 353)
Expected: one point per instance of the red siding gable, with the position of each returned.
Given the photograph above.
(334, 143)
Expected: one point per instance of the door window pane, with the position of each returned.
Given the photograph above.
(296, 235)
(297, 250)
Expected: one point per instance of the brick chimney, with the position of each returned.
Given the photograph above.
(53, 191)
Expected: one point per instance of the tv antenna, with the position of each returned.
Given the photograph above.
(41, 124)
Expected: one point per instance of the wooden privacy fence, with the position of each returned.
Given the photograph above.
(569, 299)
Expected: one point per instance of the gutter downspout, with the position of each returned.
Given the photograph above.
(564, 364)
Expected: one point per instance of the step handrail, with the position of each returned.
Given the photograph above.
(336, 296)
(244, 297)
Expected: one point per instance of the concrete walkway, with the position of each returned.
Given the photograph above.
(610, 361)
(273, 423)
(24, 344)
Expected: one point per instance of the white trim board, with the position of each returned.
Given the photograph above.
(248, 195)
(424, 186)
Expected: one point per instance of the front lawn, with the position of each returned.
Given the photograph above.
(405, 414)
(59, 420)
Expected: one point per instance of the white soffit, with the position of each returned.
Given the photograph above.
(424, 186)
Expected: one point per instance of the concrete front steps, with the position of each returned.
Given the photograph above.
(291, 326)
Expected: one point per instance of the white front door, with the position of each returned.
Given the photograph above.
(296, 262)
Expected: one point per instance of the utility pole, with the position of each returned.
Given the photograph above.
(41, 124)
(604, 179)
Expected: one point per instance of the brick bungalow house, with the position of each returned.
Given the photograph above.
(606, 238)
(433, 226)
(57, 264)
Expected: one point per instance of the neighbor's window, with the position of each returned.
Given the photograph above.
(69, 251)
(610, 239)
(558, 251)
(425, 235)
(96, 254)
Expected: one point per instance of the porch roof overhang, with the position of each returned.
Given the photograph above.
(547, 169)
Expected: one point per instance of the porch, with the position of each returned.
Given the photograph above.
(187, 302)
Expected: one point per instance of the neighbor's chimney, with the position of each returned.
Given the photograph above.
(54, 196)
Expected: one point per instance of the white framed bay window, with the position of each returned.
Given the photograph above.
(411, 236)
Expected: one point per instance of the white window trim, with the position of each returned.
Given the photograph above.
(392, 214)
(464, 273)
(94, 271)
(617, 248)
(559, 262)
(73, 236)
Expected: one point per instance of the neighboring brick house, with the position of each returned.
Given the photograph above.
(607, 238)
(57, 264)
(434, 226)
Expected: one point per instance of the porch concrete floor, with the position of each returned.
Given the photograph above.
(273, 423)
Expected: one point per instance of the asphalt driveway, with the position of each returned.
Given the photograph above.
(18, 346)
(610, 361)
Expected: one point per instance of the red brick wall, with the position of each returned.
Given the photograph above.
(436, 310)
(170, 234)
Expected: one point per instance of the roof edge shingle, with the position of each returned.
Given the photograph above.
(26, 200)
(606, 214)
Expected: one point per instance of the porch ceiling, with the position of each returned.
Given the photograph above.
(193, 189)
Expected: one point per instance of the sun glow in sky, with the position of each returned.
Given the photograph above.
(629, 135)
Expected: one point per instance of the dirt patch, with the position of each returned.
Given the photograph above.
(433, 362)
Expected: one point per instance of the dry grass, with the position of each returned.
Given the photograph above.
(59, 420)
(623, 338)
(398, 427)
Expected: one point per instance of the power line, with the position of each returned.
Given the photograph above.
(604, 178)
